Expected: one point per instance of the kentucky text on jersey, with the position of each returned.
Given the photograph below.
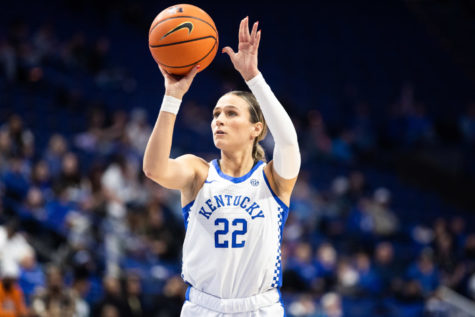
(218, 201)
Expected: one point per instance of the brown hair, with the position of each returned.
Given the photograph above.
(256, 115)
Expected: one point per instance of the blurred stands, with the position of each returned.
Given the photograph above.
(79, 93)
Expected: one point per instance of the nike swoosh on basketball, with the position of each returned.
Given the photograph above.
(187, 25)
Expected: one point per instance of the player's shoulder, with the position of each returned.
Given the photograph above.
(200, 165)
(192, 159)
(201, 169)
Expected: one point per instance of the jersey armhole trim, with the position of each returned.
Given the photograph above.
(235, 179)
(186, 213)
(277, 199)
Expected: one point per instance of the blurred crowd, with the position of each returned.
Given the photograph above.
(84, 233)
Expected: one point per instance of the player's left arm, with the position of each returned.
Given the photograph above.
(282, 171)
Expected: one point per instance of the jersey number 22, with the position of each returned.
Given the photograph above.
(240, 228)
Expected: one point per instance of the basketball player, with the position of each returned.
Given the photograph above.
(235, 207)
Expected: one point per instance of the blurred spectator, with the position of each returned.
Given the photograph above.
(80, 288)
(326, 264)
(410, 292)
(12, 303)
(317, 142)
(120, 183)
(169, 303)
(332, 306)
(13, 245)
(384, 221)
(368, 282)
(91, 140)
(111, 301)
(342, 147)
(347, 278)
(357, 186)
(385, 266)
(41, 178)
(31, 276)
(35, 205)
(457, 229)
(303, 306)
(425, 273)
(359, 222)
(133, 297)
(116, 132)
(15, 181)
(6, 150)
(138, 130)
(444, 254)
(302, 264)
(9, 61)
(56, 299)
(469, 252)
(303, 203)
(57, 148)
(161, 233)
(339, 202)
(69, 178)
(22, 139)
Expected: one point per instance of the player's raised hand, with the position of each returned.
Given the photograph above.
(245, 60)
(176, 86)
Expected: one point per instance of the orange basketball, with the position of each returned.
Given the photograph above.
(182, 36)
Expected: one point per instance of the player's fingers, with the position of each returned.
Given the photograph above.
(228, 51)
(241, 31)
(247, 35)
(254, 31)
(257, 41)
(193, 72)
(164, 72)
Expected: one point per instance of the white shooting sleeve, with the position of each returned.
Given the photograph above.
(286, 150)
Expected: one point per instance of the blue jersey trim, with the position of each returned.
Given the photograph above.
(187, 295)
(235, 179)
(186, 213)
(280, 202)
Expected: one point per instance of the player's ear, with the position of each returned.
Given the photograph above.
(257, 129)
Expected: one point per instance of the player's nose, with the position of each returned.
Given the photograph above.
(219, 120)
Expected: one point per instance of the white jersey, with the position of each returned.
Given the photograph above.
(234, 226)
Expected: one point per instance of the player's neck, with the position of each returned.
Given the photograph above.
(236, 164)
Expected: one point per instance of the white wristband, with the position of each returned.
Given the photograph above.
(170, 104)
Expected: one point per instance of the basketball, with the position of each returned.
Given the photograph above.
(181, 37)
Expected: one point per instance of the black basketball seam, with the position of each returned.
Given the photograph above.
(181, 42)
(182, 16)
(215, 42)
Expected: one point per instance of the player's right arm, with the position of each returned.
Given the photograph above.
(171, 173)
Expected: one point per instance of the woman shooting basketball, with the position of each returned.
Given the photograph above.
(235, 207)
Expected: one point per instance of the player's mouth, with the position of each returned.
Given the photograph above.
(219, 132)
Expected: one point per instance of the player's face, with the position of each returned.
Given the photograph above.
(231, 125)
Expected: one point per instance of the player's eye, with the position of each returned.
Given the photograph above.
(216, 114)
(232, 113)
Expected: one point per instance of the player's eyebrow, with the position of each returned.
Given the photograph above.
(227, 106)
